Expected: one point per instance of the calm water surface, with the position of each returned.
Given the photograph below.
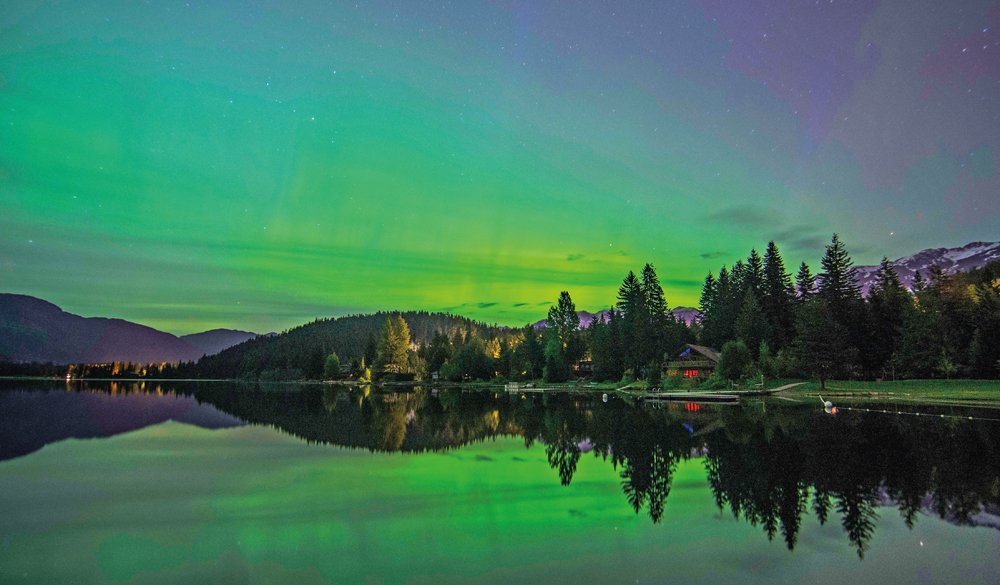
(176, 482)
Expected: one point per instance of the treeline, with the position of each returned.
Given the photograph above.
(822, 326)
(630, 344)
(819, 325)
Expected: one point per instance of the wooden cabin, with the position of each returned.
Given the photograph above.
(694, 361)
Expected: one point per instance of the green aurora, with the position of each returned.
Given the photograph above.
(191, 166)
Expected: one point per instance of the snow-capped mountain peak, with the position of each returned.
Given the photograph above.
(951, 260)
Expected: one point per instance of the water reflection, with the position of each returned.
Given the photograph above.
(769, 464)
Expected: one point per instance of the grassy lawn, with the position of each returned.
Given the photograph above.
(907, 389)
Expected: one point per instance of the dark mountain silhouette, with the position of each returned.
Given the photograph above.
(30, 420)
(33, 330)
(213, 341)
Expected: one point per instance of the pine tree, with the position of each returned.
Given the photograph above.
(779, 295)
(563, 318)
(888, 306)
(753, 279)
(708, 297)
(393, 345)
(616, 352)
(628, 294)
(820, 342)
(708, 305)
(726, 310)
(654, 344)
(635, 320)
(805, 283)
(656, 302)
(752, 326)
(738, 282)
(838, 284)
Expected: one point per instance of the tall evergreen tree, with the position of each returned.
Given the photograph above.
(805, 283)
(709, 307)
(635, 321)
(393, 345)
(531, 353)
(738, 283)
(779, 295)
(629, 293)
(658, 322)
(838, 287)
(888, 307)
(838, 284)
(821, 342)
(656, 302)
(753, 279)
(615, 368)
(727, 308)
(752, 326)
(563, 318)
(708, 297)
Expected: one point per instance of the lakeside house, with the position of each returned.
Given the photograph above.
(694, 361)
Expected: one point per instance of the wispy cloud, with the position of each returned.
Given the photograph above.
(814, 243)
(711, 255)
(485, 305)
(520, 304)
(743, 215)
(574, 257)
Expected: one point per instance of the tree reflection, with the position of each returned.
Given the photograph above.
(771, 468)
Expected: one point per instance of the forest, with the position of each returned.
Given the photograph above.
(816, 326)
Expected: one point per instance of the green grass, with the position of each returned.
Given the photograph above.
(908, 389)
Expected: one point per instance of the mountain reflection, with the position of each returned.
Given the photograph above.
(770, 464)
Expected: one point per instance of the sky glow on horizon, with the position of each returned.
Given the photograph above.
(192, 165)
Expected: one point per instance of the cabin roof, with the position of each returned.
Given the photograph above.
(690, 350)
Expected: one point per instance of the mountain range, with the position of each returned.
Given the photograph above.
(951, 260)
(33, 330)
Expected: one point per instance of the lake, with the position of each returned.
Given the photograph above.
(165, 482)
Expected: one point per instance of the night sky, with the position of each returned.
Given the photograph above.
(191, 165)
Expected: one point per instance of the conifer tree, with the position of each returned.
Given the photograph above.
(838, 284)
(838, 287)
(659, 323)
(628, 294)
(656, 302)
(778, 298)
(393, 345)
(738, 283)
(752, 326)
(708, 297)
(634, 326)
(753, 275)
(708, 305)
(563, 318)
(729, 306)
(805, 283)
(888, 307)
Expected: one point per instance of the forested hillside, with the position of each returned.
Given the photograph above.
(300, 352)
